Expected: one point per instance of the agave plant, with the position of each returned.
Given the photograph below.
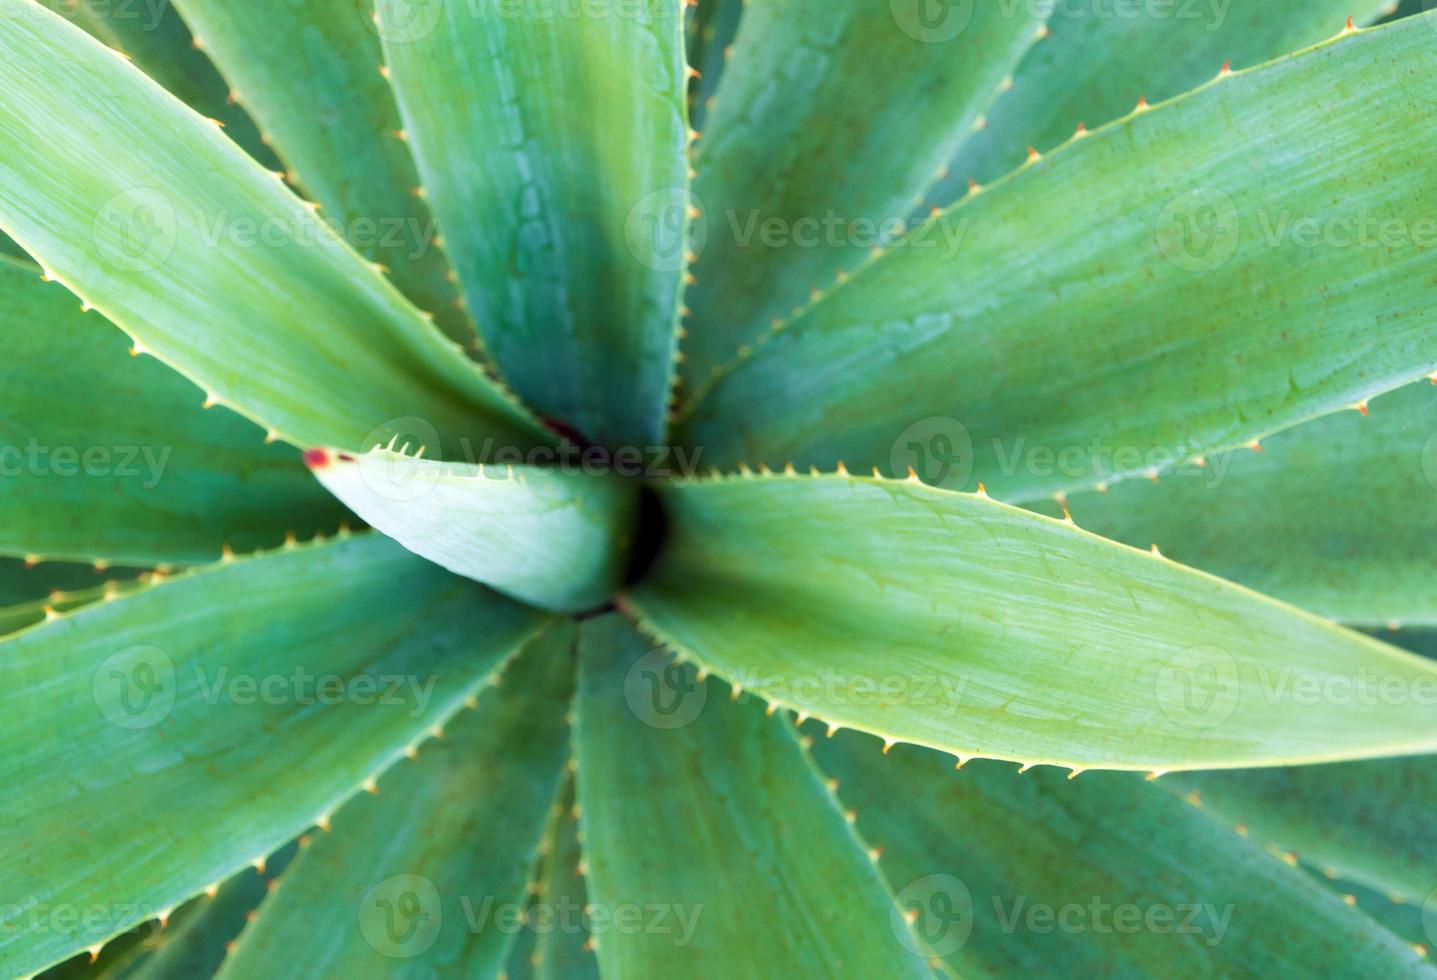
(421, 446)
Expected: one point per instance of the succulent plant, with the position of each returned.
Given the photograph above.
(436, 515)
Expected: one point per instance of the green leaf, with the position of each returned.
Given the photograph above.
(155, 744)
(711, 28)
(151, 478)
(1372, 822)
(153, 36)
(1412, 922)
(830, 119)
(949, 620)
(8, 247)
(157, 220)
(428, 876)
(31, 581)
(553, 151)
(1095, 65)
(194, 940)
(1058, 330)
(14, 618)
(1369, 822)
(554, 537)
(1332, 516)
(758, 871)
(309, 72)
(1007, 875)
(556, 920)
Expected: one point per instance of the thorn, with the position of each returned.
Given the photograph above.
(982, 491)
(323, 822)
(1024, 768)
(888, 744)
(1350, 900)
(94, 951)
(1226, 69)
(258, 864)
(962, 761)
(1033, 155)
(1362, 407)
(1350, 28)
(1074, 774)
(1255, 446)
(1142, 105)
(370, 786)
(212, 890)
(1155, 551)
(841, 470)
(1156, 773)
(832, 729)
(1080, 132)
(50, 614)
(164, 916)
(384, 70)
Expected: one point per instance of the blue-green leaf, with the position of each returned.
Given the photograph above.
(830, 119)
(428, 876)
(1023, 875)
(756, 873)
(155, 218)
(110, 458)
(552, 150)
(1190, 278)
(155, 744)
(310, 73)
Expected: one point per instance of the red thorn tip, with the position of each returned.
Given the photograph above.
(1350, 25)
(316, 458)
